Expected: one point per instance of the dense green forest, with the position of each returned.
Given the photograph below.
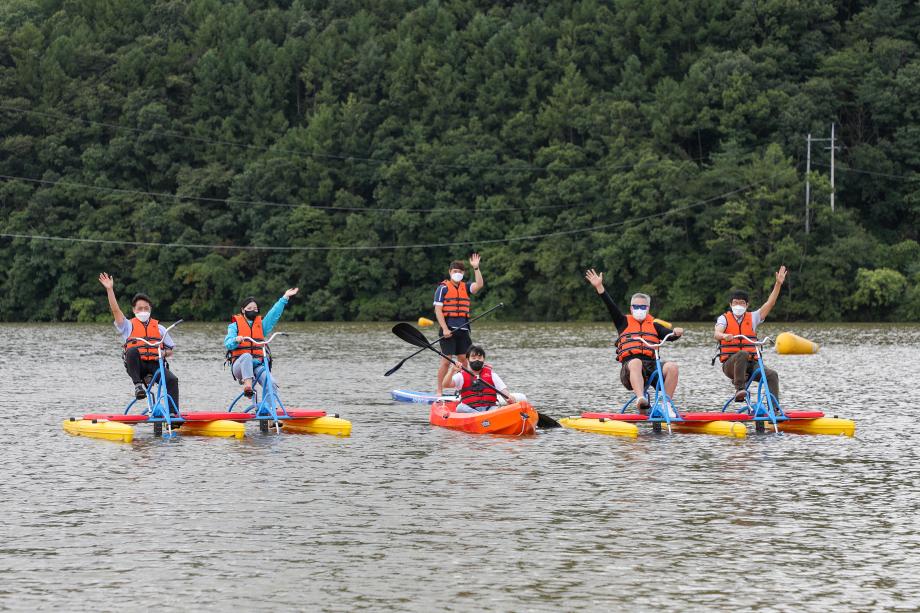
(205, 150)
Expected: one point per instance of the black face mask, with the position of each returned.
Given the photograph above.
(477, 365)
(251, 315)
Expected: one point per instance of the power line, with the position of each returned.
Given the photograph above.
(913, 177)
(137, 192)
(508, 167)
(384, 247)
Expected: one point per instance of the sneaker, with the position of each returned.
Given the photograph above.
(247, 391)
(642, 405)
(740, 396)
(139, 392)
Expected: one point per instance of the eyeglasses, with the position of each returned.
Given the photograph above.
(640, 307)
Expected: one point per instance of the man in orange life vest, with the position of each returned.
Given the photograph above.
(474, 396)
(638, 360)
(140, 359)
(739, 358)
(452, 310)
(248, 359)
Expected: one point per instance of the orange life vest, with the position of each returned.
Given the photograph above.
(149, 331)
(628, 343)
(456, 302)
(253, 331)
(746, 327)
(474, 394)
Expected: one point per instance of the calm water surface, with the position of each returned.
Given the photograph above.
(405, 516)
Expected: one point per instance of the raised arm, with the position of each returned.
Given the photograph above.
(596, 279)
(777, 286)
(478, 283)
(109, 284)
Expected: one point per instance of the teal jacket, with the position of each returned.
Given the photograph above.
(268, 322)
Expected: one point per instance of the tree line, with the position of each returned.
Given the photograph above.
(362, 146)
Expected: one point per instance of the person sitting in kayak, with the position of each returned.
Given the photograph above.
(247, 358)
(738, 357)
(637, 359)
(475, 396)
(141, 360)
(452, 310)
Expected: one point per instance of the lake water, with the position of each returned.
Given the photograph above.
(405, 516)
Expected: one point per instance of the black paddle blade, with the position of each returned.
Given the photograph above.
(545, 421)
(410, 335)
(395, 368)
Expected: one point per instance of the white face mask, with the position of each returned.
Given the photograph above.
(639, 314)
(456, 277)
(144, 316)
(739, 310)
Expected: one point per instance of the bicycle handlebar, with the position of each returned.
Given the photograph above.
(660, 343)
(752, 341)
(265, 342)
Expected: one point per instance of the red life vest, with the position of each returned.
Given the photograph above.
(732, 326)
(456, 301)
(254, 331)
(474, 394)
(149, 331)
(628, 344)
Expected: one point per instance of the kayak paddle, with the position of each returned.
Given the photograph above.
(425, 342)
(415, 337)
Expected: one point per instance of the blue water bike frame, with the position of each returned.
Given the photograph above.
(160, 405)
(270, 407)
(766, 407)
(658, 412)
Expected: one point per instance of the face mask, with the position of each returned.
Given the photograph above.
(639, 314)
(738, 310)
(456, 277)
(477, 364)
(143, 316)
(250, 315)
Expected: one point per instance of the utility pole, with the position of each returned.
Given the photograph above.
(807, 183)
(809, 140)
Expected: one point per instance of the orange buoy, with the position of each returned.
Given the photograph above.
(788, 343)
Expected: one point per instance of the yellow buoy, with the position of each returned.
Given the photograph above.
(788, 343)
(221, 427)
(719, 428)
(664, 323)
(424, 322)
(318, 425)
(610, 427)
(94, 428)
(832, 426)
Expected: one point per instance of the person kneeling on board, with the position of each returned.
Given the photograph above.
(738, 357)
(475, 396)
(637, 359)
(247, 359)
(452, 310)
(140, 359)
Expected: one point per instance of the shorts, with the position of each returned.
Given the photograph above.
(648, 368)
(459, 343)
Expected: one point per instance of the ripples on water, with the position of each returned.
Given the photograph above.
(406, 516)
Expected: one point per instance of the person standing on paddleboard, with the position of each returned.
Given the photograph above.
(738, 357)
(247, 359)
(141, 360)
(452, 310)
(637, 359)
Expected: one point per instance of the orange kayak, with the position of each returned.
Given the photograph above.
(516, 419)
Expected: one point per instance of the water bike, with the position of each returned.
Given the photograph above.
(662, 412)
(161, 411)
(269, 410)
(766, 409)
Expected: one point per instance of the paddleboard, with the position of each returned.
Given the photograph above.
(420, 397)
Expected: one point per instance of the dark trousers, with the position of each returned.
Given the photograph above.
(138, 369)
(742, 365)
